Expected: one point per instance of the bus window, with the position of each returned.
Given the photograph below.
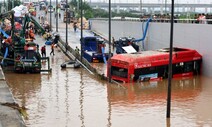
(197, 65)
(120, 72)
(178, 68)
(161, 71)
(188, 66)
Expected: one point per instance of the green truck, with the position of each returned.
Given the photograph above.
(24, 54)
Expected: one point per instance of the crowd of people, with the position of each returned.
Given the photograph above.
(198, 18)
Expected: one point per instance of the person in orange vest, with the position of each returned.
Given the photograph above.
(52, 48)
(31, 34)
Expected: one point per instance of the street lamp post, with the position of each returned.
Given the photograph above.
(56, 15)
(78, 5)
(165, 6)
(12, 4)
(50, 15)
(81, 22)
(170, 63)
(141, 6)
(0, 7)
(109, 17)
(66, 11)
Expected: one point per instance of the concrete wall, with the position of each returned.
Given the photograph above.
(194, 36)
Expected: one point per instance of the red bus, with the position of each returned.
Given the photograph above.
(153, 65)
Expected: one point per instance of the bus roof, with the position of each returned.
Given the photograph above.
(137, 56)
(151, 55)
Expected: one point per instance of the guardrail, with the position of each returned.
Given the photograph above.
(160, 20)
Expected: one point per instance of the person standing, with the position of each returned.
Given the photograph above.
(52, 49)
(77, 50)
(113, 43)
(43, 51)
(75, 26)
(58, 12)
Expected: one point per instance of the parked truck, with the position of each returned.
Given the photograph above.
(21, 52)
(93, 49)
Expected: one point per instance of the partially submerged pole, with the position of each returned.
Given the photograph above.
(109, 64)
(170, 63)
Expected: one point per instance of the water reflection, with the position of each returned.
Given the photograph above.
(146, 93)
(81, 98)
(67, 98)
(109, 124)
(168, 122)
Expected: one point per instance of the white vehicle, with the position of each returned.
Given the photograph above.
(50, 9)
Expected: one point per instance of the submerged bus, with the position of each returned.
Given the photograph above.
(153, 65)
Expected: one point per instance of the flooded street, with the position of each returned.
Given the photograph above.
(74, 97)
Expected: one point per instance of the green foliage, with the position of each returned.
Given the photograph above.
(100, 13)
(96, 13)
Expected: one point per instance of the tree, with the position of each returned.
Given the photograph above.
(97, 13)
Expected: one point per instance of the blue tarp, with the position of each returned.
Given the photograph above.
(103, 55)
(4, 33)
(48, 42)
(6, 51)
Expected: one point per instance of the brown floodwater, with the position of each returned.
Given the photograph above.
(74, 98)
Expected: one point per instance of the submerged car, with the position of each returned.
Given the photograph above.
(70, 64)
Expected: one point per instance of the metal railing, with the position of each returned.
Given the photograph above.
(160, 20)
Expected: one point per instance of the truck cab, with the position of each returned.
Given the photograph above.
(29, 59)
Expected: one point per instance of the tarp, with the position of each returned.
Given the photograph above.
(129, 49)
(103, 55)
(20, 11)
(6, 51)
(17, 13)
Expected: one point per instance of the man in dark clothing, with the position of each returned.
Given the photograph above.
(43, 51)
(75, 26)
